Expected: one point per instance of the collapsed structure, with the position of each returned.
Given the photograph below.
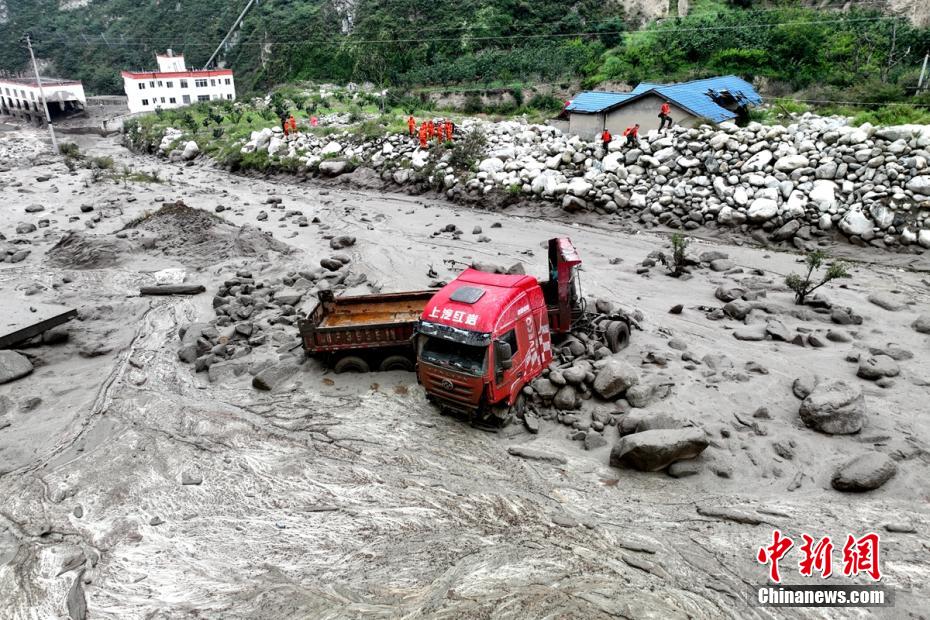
(22, 97)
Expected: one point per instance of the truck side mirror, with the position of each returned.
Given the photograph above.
(504, 354)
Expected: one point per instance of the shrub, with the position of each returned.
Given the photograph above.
(676, 262)
(468, 150)
(101, 163)
(803, 286)
(70, 149)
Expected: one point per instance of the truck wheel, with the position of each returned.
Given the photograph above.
(351, 363)
(618, 336)
(396, 362)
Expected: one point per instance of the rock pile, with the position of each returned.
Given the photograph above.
(795, 183)
(252, 313)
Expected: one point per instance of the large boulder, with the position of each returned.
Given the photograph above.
(855, 222)
(728, 216)
(13, 366)
(274, 375)
(566, 398)
(334, 167)
(191, 150)
(920, 185)
(614, 378)
(657, 449)
(788, 163)
(864, 473)
(491, 165)
(762, 209)
(834, 407)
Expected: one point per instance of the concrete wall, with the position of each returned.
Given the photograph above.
(587, 126)
(645, 111)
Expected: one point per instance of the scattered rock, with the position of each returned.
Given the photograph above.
(886, 302)
(191, 478)
(657, 449)
(875, 367)
(614, 378)
(13, 366)
(535, 454)
(864, 473)
(834, 407)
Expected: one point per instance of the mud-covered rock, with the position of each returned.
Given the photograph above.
(834, 407)
(614, 378)
(864, 473)
(13, 366)
(657, 449)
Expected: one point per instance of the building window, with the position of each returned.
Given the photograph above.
(159, 83)
(141, 86)
(145, 102)
(33, 95)
(183, 83)
(162, 99)
(200, 83)
(172, 100)
(212, 82)
(229, 96)
(152, 84)
(203, 97)
(169, 84)
(228, 81)
(186, 99)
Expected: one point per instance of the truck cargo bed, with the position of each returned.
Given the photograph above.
(359, 323)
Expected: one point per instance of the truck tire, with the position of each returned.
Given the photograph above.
(396, 362)
(351, 363)
(618, 336)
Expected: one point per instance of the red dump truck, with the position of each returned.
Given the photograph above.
(475, 343)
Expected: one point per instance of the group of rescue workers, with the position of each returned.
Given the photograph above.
(632, 133)
(441, 130)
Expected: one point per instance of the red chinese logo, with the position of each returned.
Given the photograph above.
(773, 553)
(860, 555)
(817, 557)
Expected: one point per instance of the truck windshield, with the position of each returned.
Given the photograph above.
(463, 357)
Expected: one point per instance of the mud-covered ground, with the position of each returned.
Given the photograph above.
(339, 496)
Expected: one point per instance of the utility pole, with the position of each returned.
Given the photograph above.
(923, 70)
(48, 117)
(228, 34)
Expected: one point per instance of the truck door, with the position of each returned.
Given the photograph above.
(504, 378)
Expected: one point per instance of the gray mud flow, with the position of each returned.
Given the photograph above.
(147, 490)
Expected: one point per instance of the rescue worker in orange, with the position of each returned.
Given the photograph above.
(430, 129)
(606, 138)
(450, 128)
(423, 130)
(412, 125)
(632, 135)
(440, 132)
(292, 124)
(664, 116)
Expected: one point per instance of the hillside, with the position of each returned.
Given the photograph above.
(412, 42)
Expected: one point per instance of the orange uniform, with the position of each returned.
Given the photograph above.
(430, 129)
(292, 124)
(449, 130)
(412, 125)
(423, 131)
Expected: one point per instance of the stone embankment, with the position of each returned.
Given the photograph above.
(793, 183)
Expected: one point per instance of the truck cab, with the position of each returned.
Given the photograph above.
(484, 336)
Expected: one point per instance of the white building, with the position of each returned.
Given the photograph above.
(173, 85)
(20, 97)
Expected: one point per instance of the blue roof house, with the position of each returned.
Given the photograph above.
(716, 99)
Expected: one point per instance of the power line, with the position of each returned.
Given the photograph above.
(536, 36)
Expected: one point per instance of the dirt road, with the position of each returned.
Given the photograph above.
(162, 494)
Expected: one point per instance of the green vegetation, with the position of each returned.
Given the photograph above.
(677, 262)
(803, 286)
(479, 46)
(850, 56)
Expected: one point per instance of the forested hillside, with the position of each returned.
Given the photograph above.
(859, 54)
